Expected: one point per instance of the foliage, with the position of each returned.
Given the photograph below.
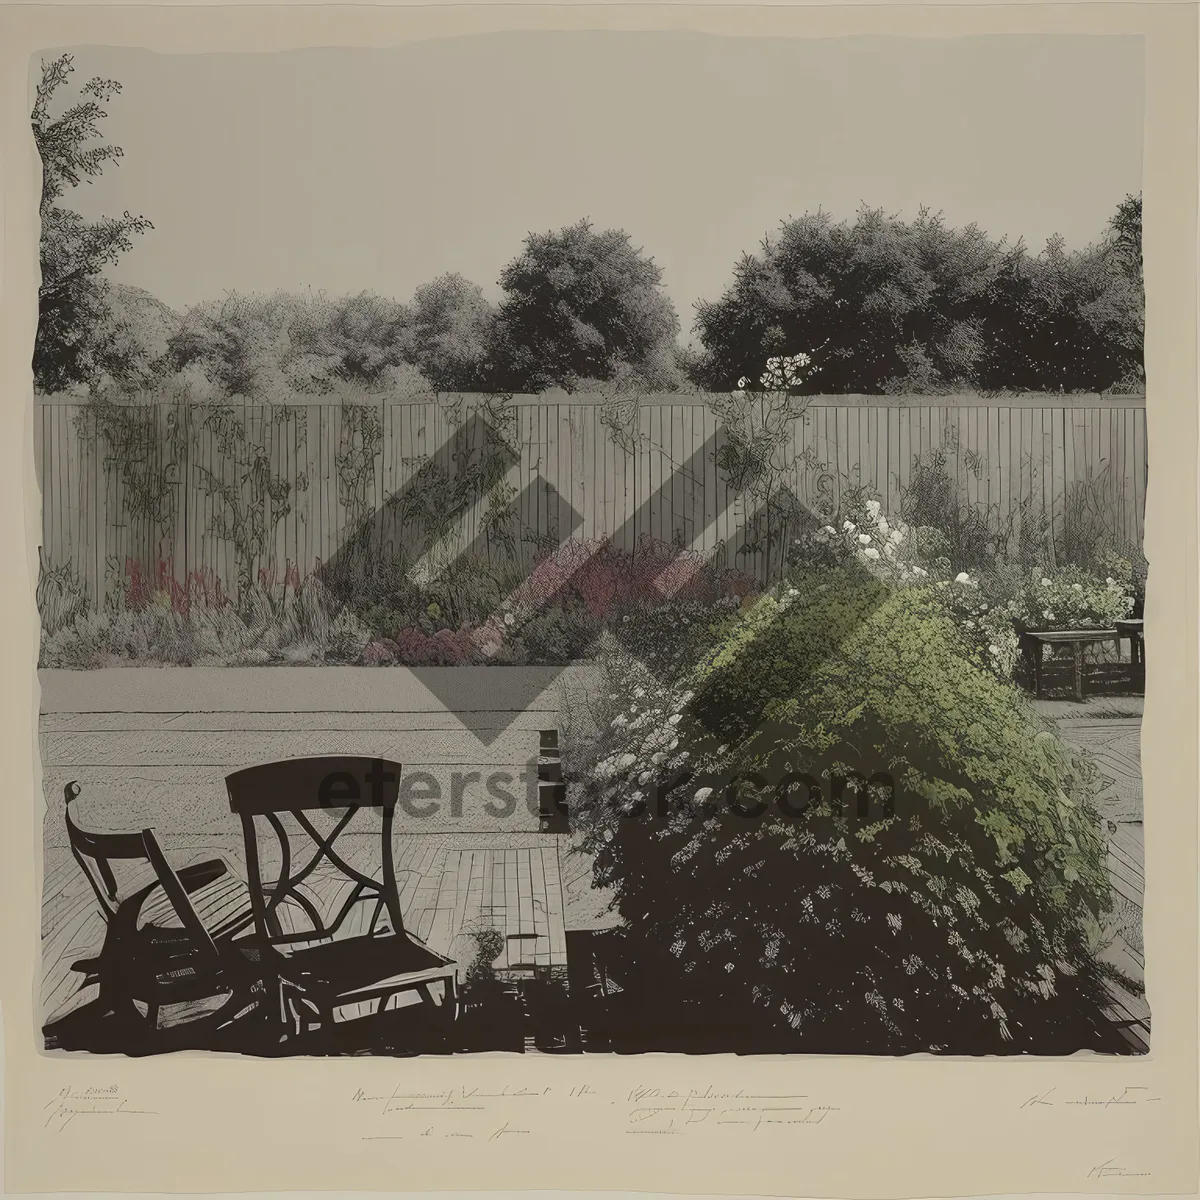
(577, 306)
(61, 596)
(1072, 598)
(264, 347)
(142, 448)
(77, 342)
(1086, 535)
(479, 611)
(451, 331)
(480, 982)
(920, 307)
(250, 505)
(988, 626)
(978, 879)
(163, 622)
(757, 452)
(867, 540)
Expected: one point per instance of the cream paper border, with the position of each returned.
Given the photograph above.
(909, 1127)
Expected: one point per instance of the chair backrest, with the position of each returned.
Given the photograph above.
(96, 853)
(280, 796)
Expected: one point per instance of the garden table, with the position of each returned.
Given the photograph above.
(1034, 643)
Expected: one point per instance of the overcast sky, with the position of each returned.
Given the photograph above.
(346, 170)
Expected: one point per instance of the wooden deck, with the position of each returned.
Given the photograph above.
(450, 887)
(1114, 743)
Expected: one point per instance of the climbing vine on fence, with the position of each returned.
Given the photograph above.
(141, 454)
(360, 444)
(254, 501)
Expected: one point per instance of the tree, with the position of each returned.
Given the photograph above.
(1125, 236)
(887, 305)
(1064, 321)
(451, 330)
(369, 337)
(265, 346)
(893, 306)
(579, 306)
(73, 345)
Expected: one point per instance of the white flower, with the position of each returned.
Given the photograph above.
(509, 619)
(638, 693)
(895, 537)
(1045, 583)
(871, 553)
(920, 572)
(626, 760)
(873, 507)
(884, 527)
(828, 529)
(962, 577)
(865, 538)
(849, 526)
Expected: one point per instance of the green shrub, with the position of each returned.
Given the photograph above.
(958, 920)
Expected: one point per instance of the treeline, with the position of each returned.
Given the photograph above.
(880, 304)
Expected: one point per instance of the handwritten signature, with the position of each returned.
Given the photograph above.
(1125, 1098)
(1108, 1169)
(71, 1103)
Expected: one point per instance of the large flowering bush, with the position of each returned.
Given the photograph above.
(957, 920)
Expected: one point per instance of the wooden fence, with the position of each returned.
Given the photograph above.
(245, 488)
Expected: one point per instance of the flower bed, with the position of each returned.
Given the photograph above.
(551, 618)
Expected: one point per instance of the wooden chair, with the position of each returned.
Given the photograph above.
(343, 958)
(169, 935)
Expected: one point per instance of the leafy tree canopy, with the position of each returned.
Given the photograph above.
(76, 343)
(887, 305)
(578, 305)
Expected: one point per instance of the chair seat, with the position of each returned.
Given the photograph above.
(166, 964)
(364, 965)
